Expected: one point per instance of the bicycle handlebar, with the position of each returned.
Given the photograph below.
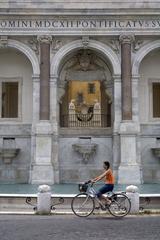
(89, 182)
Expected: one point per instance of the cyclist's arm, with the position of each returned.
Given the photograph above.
(99, 177)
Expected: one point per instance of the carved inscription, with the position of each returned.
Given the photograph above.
(79, 24)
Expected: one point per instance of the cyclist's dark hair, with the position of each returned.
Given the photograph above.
(107, 164)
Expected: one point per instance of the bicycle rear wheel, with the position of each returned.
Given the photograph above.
(120, 205)
(82, 205)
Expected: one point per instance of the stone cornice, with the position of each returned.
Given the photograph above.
(82, 5)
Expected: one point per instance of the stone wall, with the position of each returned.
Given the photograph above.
(17, 169)
(150, 162)
(74, 168)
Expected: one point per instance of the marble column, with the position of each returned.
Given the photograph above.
(129, 169)
(44, 78)
(126, 41)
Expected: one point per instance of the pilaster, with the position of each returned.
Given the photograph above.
(117, 116)
(54, 106)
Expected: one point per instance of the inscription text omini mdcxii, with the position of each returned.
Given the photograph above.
(80, 23)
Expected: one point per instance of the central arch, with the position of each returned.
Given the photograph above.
(102, 48)
(58, 61)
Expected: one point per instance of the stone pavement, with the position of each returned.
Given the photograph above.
(71, 227)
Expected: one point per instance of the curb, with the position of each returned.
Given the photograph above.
(141, 213)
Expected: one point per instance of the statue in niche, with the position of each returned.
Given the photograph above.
(97, 105)
(72, 105)
(97, 113)
(72, 113)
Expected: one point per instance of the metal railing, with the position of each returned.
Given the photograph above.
(85, 120)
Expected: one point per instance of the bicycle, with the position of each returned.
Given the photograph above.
(84, 203)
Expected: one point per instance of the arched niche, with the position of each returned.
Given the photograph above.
(140, 55)
(28, 52)
(86, 77)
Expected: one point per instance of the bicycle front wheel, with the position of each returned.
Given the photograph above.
(83, 205)
(120, 205)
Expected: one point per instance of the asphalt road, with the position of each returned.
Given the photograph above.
(60, 227)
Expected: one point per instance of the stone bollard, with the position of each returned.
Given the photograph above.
(133, 195)
(44, 199)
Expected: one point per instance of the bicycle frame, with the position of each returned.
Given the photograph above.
(92, 192)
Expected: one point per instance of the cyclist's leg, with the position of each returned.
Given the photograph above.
(104, 189)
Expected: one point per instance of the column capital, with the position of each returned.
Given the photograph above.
(44, 39)
(126, 38)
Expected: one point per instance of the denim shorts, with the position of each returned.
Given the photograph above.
(105, 188)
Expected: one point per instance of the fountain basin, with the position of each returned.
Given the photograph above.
(86, 150)
(8, 154)
(156, 151)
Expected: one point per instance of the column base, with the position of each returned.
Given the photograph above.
(129, 174)
(42, 174)
(42, 171)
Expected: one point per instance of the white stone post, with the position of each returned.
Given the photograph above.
(44, 200)
(132, 193)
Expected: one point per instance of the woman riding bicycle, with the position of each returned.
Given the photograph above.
(109, 182)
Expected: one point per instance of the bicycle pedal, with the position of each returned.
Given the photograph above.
(97, 208)
(103, 208)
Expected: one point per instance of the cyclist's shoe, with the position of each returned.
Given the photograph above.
(108, 204)
(102, 207)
